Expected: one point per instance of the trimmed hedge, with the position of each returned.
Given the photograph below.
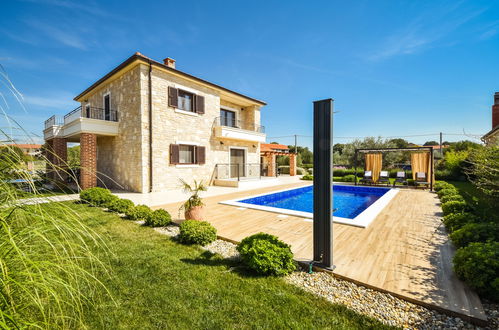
(447, 191)
(139, 212)
(478, 265)
(197, 232)
(475, 232)
(112, 199)
(439, 185)
(284, 169)
(453, 207)
(448, 198)
(266, 255)
(159, 218)
(96, 196)
(121, 205)
(308, 177)
(456, 221)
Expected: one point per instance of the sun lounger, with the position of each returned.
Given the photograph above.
(368, 178)
(384, 177)
(421, 179)
(400, 178)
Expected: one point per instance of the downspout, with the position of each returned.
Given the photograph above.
(150, 127)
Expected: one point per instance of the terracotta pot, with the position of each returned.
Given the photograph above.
(195, 213)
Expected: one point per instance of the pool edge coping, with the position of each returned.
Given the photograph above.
(362, 220)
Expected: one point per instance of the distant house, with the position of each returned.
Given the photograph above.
(29, 149)
(492, 137)
(146, 124)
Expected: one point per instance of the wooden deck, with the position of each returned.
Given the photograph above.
(404, 251)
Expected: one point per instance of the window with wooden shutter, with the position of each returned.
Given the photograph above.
(200, 104)
(174, 154)
(200, 155)
(172, 97)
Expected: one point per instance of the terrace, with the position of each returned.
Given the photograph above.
(235, 129)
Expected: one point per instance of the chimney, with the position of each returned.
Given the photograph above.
(495, 111)
(170, 62)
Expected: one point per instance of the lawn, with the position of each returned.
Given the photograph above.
(156, 282)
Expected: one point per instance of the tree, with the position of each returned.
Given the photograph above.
(74, 157)
(484, 171)
(11, 156)
(338, 147)
(399, 143)
(464, 145)
(431, 143)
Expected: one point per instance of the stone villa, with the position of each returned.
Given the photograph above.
(145, 125)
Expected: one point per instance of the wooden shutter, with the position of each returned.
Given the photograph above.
(200, 104)
(172, 97)
(200, 155)
(174, 154)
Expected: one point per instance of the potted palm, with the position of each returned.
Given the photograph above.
(193, 207)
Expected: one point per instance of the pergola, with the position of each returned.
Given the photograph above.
(381, 150)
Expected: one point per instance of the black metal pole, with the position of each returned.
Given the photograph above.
(432, 169)
(323, 192)
(355, 166)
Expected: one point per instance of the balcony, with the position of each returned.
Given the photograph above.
(227, 128)
(88, 120)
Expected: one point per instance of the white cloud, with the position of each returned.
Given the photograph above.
(63, 100)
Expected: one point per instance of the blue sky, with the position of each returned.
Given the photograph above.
(394, 68)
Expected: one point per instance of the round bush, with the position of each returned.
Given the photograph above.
(453, 207)
(121, 205)
(349, 178)
(96, 196)
(439, 185)
(456, 221)
(139, 212)
(112, 199)
(478, 265)
(447, 191)
(159, 218)
(197, 232)
(308, 177)
(475, 232)
(266, 255)
(448, 198)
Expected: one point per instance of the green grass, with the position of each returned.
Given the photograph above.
(158, 283)
(475, 198)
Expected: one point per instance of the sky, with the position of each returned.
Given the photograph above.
(393, 68)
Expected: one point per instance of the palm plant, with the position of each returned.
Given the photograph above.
(194, 189)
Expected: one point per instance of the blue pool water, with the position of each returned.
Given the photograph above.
(349, 201)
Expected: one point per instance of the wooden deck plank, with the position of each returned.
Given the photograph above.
(404, 251)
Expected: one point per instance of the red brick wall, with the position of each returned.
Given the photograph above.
(292, 164)
(88, 160)
(57, 157)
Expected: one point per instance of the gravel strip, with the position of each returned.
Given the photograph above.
(381, 306)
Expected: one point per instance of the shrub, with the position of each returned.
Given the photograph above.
(121, 205)
(266, 254)
(112, 199)
(447, 191)
(96, 196)
(159, 218)
(475, 232)
(349, 178)
(448, 198)
(439, 185)
(197, 232)
(308, 177)
(453, 207)
(478, 265)
(139, 212)
(456, 221)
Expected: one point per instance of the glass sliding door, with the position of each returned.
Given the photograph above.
(237, 162)
(227, 118)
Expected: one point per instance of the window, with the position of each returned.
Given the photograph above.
(227, 118)
(185, 100)
(186, 154)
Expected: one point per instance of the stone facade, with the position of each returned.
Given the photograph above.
(123, 161)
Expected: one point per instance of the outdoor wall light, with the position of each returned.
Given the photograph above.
(221, 143)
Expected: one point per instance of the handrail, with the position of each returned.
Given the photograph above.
(93, 113)
(242, 170)
(239, 124)
(53, 121)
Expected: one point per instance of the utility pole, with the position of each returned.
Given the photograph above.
(441, 150)
(296, 151)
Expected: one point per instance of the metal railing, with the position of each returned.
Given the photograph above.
(53, 121)
(241, 124)
(92, 113)
(242, 171)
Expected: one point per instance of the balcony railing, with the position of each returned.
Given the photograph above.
(92, 113)
(53, 121)
(241, 171)
(240, 124)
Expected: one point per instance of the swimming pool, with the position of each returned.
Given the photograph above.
(354, 205)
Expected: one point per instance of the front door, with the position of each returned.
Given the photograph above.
(237, 161)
